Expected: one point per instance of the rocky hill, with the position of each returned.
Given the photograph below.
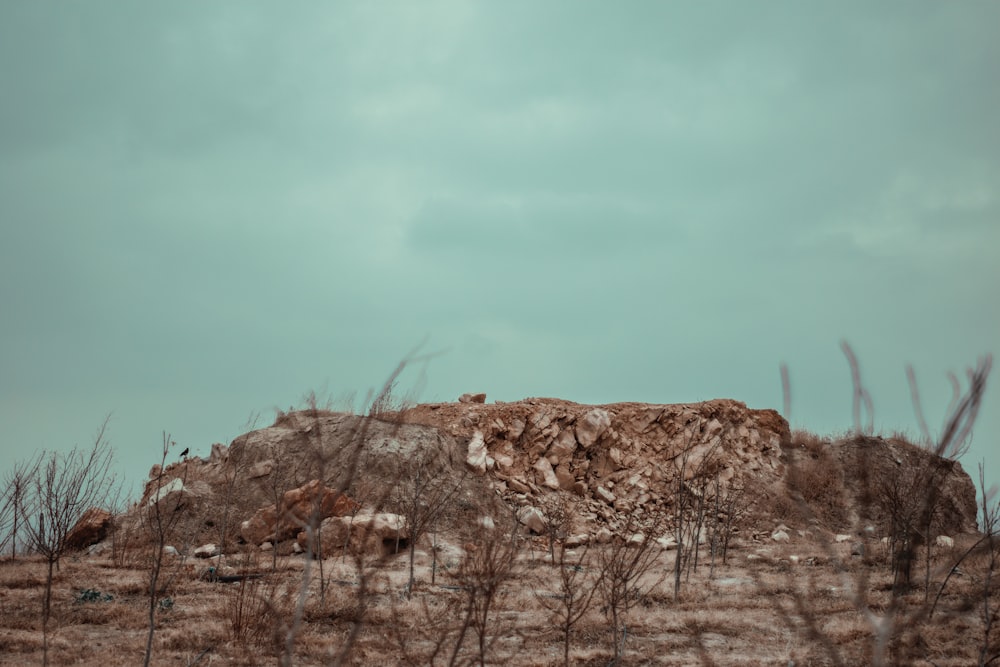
(608, 464)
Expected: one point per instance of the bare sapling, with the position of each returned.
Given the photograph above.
(558, 517)
(421, 495)
(625, 574)
(907, 501)
(275, 484)
(350, 450)
(63, 487)
(16, 485)
(159, 518)
(989, 652)
(577, 585)
(485, 572)
(689, 503)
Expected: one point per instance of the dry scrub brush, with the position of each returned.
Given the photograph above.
(906, 504)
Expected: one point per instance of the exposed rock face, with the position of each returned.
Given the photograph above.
(609, 463)
(90, 529)
(615, 459)
(297, 506)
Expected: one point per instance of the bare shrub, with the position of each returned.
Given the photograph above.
(256, 605)
(63, 487)
(421, 496)
(622, 580)
(158, 520)
(16, 485)
(490, 563)
(911, 497)
(577, 586)
(816, 478)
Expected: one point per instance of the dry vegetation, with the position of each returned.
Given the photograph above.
(751, 576)
(766, 610)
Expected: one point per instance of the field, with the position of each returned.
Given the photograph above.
(770, 604)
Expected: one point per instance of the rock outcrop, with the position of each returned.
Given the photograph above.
(605, 465)
(274, 524)
(370, 534)
(90, 529)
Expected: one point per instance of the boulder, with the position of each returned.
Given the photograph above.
(563, 446)
(533, 519)
(592, 426)
(371, 534)
(477, 454)
(90, 529)
(546, 474)
(779, 536)
(605, 495)
(297, 505)
(472, 398)
(944, 541)
(206, 551)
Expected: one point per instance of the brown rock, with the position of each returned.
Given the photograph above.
(297, 506)
(90, 529)
(373, 534)
(565, 477)
(472, 398)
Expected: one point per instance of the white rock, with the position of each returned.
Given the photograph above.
(667, 542)
(206, 551)
(779, 536)
(592, 426)
(533, 518)
(605, 495)
(944, 541)
(170, 487)
(477, 455)
(544, 469)
(842, 538)
(266, 546)
(170, 551)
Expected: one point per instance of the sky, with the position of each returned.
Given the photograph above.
(208, 210)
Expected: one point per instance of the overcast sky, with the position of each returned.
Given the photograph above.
(209, 208)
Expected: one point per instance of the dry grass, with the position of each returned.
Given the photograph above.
(753, 612)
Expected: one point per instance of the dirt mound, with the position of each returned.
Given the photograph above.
(607, 463)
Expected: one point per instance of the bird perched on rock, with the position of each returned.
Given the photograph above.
(185, 452)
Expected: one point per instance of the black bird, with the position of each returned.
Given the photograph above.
(185, 452)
